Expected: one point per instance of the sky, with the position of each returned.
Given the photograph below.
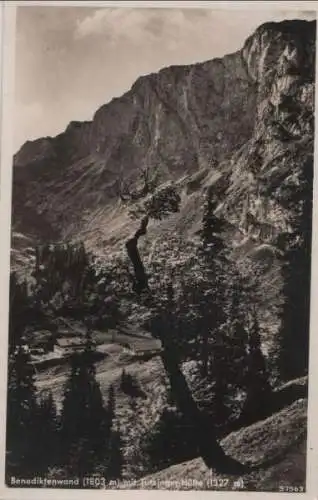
(71, 60)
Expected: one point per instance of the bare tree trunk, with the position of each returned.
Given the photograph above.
(141, 279)
(208, 447)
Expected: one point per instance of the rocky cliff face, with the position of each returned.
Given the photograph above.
(243, 123)
(281, 60)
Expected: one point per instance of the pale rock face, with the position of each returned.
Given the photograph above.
(284, 122)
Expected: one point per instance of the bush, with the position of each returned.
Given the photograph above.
(130, 385)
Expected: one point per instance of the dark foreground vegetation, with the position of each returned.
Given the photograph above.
(206, 312)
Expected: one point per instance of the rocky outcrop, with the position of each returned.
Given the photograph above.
(262, 174)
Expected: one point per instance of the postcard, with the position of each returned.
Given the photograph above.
(157, 189)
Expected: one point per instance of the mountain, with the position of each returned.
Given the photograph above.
(181, 119)
(245, 116)
(242, 125)
(241, 129)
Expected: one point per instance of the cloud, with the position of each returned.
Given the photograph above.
(144, 25)
(125, 23)
(175, 27)
(307, 15)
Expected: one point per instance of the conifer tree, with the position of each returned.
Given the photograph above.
(212, 227)
(219, 375)
(85, 423)
(294, 338)
(224, 336)
(111, 403)
(237, 333)
(116, 458)
(123, 379)
(19, 312)
(257, 385)
(21, 412)
(48, 433)
(211, 306)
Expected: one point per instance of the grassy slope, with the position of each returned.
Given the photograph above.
(275, 448)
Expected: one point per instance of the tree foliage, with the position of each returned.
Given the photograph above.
(21, 413)
(85, 422)
(257, 385)
(296, 261)
(165, 200)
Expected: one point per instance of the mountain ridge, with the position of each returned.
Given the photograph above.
(274, 26)
(226, 118)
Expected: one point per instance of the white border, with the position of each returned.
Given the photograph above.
(7, 106)
(6, 129)
(312, 439)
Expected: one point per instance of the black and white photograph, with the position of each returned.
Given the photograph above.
(160, 257)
